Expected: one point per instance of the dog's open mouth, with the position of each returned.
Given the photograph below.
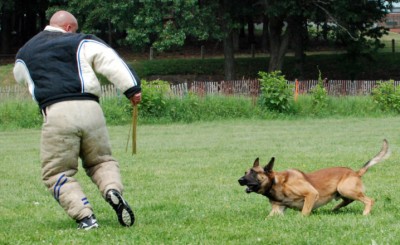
(252, 188)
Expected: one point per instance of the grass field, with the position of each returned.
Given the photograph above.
(183, 185)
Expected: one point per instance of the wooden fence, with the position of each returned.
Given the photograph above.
(201, 88)
(252, 87)
(234, 88)
(342, 87)
(14, 92)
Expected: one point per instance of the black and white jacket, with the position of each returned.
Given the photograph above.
(60, 66)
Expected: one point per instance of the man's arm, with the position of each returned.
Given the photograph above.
(104, 60)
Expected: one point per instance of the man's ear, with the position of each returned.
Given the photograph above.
(270, 165)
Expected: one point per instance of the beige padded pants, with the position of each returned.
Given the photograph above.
(72, 130)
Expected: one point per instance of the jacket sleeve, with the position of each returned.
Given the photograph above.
(105, 61)
(22, 76)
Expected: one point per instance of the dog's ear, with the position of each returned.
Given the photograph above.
(256, 162)
(270, 165)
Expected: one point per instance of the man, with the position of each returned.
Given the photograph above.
(59, 66)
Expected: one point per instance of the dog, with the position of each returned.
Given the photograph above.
(307, 191)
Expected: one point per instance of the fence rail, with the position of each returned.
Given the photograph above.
(252, 87)
(234, 88)
(239, 87)
(14, 92)
(342, 87)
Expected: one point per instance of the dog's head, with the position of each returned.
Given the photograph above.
(258, 179)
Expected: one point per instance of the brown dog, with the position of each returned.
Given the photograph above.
(307, 191)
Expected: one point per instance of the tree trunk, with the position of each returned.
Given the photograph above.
(229, 62)
(235, 39)
(250, 27)
(298, 26)
(228, 41)
(279, 41)
(264, 38)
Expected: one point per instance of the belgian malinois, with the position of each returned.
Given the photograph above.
(307, 191)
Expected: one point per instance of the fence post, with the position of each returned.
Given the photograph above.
(202, 51)
(393, 46)
(151, 53)
(252, 50)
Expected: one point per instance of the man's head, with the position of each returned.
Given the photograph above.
(64, 20)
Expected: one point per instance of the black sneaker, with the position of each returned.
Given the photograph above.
(121, 207)
(88, 223)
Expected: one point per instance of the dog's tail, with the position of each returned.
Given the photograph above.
(382, 155)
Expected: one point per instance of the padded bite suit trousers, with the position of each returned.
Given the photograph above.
(72, 130)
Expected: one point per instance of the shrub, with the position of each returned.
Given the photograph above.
(117, 110)
(319, 96)
(387, 96)
(276, 94)
(154, 95)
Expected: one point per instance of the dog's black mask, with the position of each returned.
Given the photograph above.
(251, 181)
(250, 177)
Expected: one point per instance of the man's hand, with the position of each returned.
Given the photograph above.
(136, 99)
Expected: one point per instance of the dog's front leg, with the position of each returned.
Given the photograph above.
(277, 209)
(309, 201)
(302, 193)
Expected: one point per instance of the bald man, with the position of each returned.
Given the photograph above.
(59, 66)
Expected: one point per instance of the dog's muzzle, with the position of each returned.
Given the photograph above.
(251, 187)
(242, 181)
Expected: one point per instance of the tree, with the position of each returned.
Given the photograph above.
(232, 15)
(354, 21)
(100, 17)
(167, 25)
(355, 28)
(19, 24)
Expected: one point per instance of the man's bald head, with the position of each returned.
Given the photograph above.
(64, 20)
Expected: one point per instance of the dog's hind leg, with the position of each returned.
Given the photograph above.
(352, 188)
(368, 202)
(344, 203)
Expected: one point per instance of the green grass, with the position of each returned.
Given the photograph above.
(183, 185)
(25, 113)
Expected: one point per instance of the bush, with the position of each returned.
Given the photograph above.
(154, 95)
(319, 96)
(387, 96)
(117, 110)
(276, 94)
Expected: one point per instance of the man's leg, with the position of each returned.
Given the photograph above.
(60, 144)
(100, 165)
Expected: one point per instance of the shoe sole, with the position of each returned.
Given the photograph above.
(90, 227)
(121, 207)
(88, 223)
